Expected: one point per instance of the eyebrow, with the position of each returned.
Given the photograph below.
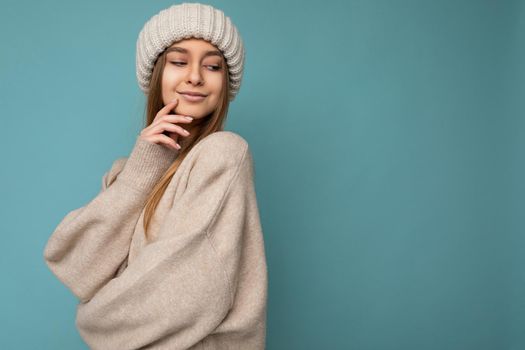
(183, 50)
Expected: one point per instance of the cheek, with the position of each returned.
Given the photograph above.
(167, 79)
(216, 84)
(170, 76)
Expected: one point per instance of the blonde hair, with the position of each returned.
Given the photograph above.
(203, 127)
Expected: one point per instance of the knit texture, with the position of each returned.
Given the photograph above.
(200, 284)
(184, 21)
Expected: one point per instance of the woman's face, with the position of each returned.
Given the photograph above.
(193, 65)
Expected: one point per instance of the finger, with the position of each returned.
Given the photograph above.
(165, 126)
(168, 141)
(167, 108)
(171, 118)
(177, 118)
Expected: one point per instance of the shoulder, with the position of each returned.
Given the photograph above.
(225, 140)
(225, 147)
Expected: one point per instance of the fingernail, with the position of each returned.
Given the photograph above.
(175, 100)
(189, 118)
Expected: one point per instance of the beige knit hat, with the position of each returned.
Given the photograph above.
(183, 21)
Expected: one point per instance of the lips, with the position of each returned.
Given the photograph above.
(192, 93)
(192, 98)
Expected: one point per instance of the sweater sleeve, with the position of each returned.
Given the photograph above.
(91, 242)
(178, 289)
(111, 175)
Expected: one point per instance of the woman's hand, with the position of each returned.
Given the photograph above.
(163, 124)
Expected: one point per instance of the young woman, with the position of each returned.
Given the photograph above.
(170, 253)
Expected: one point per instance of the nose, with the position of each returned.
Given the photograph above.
(194, 75)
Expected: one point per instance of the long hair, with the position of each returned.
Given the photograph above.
(203, 127)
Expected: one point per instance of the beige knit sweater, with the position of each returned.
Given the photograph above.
(202, 282)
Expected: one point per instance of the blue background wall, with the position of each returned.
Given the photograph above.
(388, 139)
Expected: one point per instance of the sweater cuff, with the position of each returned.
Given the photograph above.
(146, 164)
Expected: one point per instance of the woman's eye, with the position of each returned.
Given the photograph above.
(214, 68)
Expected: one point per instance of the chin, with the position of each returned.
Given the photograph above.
(201, 108)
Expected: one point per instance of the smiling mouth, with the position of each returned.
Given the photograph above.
(192, 98)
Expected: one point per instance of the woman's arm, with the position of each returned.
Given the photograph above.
(111, 174)
(91, 242)
(181, 286)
